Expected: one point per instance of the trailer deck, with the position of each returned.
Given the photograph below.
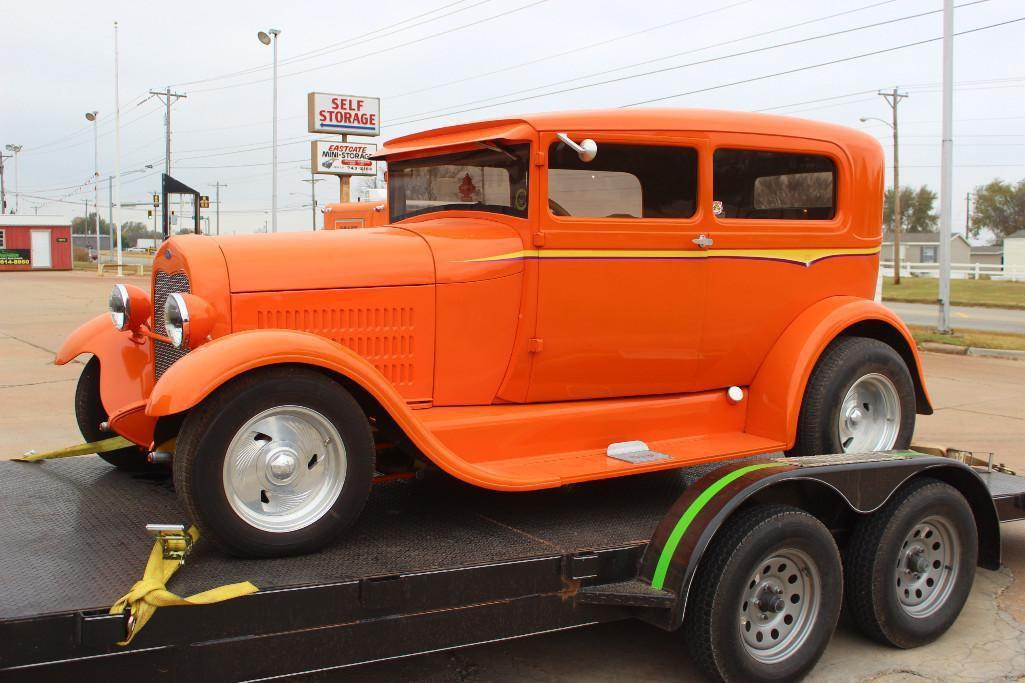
(432, 564)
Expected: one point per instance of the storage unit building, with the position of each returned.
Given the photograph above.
(34, 243)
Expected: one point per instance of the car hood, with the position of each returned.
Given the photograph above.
(327, 259)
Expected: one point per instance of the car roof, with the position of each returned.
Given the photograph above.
(710, 120)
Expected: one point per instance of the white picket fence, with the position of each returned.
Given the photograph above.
(958, 271)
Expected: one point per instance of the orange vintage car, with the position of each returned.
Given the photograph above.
(557, 298)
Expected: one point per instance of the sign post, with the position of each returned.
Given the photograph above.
(343, 115)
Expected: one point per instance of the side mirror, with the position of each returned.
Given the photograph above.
(587, 150)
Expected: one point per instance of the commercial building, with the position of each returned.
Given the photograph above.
(34, 243)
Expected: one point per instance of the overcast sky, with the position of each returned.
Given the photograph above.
(430, 61)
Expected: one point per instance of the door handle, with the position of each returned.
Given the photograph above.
(703, 241)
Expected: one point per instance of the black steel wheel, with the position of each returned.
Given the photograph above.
(766, 597)
(277, 462)
(860, 398)
(89, 414)
(910, 565)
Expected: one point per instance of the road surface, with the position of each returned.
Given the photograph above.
(968, 317)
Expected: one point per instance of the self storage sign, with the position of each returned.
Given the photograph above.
(343, 158)
(344, 114)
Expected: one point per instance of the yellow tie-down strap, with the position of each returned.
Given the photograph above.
(151, 592)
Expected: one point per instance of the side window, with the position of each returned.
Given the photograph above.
(623, 181)
(762, 185)
(928, 254)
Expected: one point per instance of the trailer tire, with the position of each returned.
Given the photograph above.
(836, 417)
(278, 462)
(89, 413)
(927, 531)
(786, 614)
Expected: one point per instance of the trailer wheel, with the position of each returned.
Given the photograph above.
(860, 398)
(89, 413)
(766, 596)
(911, 564)
(278, 462)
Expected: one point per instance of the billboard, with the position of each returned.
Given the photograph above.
(343, 158)
(343, 114)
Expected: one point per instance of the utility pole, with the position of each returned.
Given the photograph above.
(967, 213)
(946, 165)
(117, 153)
(167, 97)
(15, 149)
(3, 189)
(893, 98)
(313, 180)
(217, 200)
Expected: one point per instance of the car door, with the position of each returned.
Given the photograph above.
(621, 284)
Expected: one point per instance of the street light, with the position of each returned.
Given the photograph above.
(93, 116)
(268, 38)
(15, 149)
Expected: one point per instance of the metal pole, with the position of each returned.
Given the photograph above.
(96, 179)
(167, 131)
(217, 199)
(117, 158)
(3, 189)
(893, 98)
(110, 212)
(946, 165)
(967, 213)
(274, 143)
(17, 203)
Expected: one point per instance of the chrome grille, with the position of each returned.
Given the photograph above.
(165, 355)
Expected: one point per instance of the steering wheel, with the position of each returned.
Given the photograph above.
(557, 209)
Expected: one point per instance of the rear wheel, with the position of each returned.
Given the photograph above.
(766, 597)
(910, 565)
(276, 463)
(860, 398)
(89, 414)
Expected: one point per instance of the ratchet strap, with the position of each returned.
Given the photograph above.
(106, 445)
(151, 592)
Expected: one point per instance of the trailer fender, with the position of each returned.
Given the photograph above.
(126, 370)
(199, 373)
(859, 486)
(778, 387)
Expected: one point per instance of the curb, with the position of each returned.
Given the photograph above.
(953, 350)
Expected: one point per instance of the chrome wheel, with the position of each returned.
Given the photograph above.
(284, 469)
(780, 605)
(927, 566)
(869, 417)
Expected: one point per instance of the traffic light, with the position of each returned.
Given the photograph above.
(156, 199)
(204, 201)
(149, 214)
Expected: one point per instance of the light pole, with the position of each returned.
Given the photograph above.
(93, 116)
(271, 38)
(217, 200)
(896, 194)
(14, 149)
(313, 180)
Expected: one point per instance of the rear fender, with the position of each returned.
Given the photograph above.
(778, 388)
(195, 376)
(126, 368)
(672, 557)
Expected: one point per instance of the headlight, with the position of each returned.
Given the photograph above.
(176, 320)
(129, 307)
(188, 320)
(120, 307)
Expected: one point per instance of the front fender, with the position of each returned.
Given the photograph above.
(126, 368)
(778, 388)
(195, 376)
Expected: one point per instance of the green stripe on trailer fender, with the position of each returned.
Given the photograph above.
(673, 541)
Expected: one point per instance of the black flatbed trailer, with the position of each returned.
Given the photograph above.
(431, 564)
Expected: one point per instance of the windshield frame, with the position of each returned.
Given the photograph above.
(511, 156)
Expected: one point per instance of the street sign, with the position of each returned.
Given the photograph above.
(343, 158)
(204, 201)
(343, 114)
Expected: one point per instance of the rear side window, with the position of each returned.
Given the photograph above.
(623, 181)
(754, 184)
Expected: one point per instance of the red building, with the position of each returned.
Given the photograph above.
(34, 243)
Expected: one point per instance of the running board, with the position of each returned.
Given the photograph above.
(633, 593)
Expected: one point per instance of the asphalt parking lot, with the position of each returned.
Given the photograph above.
(980, 406)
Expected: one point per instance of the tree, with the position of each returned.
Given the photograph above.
(1000, 208)
(80, 225)
(131, 231)
(916, 209)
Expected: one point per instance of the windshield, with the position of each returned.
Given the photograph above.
(492, 179)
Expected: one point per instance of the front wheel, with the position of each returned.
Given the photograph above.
(860, 398)
(766, 597)
(89, 413)
(276, 463)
